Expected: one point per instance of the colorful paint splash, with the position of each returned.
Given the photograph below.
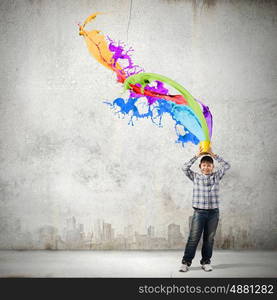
(190, 115)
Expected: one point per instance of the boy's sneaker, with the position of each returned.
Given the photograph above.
(184, 268)
(207, 267)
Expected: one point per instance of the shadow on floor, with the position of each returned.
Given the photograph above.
(229, 266)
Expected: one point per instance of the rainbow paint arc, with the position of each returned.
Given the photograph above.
(190, 114)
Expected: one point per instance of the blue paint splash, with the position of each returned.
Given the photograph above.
(179, 113)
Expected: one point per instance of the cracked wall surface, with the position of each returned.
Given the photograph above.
(73, 175)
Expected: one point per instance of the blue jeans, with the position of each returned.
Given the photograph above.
(203, 220)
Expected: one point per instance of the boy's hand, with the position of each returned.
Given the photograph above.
(199, 154)
(205, 153)
(212, 154)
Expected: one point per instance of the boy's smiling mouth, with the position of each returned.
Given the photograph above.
(206, 172)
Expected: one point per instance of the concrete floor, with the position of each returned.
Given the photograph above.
(133, 264)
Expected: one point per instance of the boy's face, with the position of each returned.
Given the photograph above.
(206, 167)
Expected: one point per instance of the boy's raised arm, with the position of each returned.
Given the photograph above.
(186, 167)
(223, 168)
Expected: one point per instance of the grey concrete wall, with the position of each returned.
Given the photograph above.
(74, 175)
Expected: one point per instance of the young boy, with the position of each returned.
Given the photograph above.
(205, 203)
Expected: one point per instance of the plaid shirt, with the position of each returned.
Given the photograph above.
(205, 187)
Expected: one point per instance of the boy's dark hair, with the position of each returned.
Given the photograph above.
(206, 159)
